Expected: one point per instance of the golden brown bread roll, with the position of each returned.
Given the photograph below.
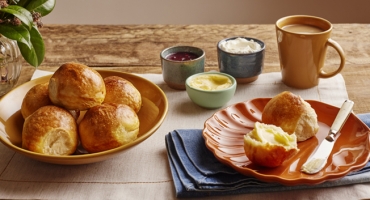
(292, 114)
(108, 126)
(76, 86)
(268, 145)
(36, 97)
(50, 130)
(122, 91)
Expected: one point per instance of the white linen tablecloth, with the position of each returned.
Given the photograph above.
(143, 171)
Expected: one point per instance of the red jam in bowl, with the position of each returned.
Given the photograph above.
(182, 56)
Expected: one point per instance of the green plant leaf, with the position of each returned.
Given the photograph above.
(23, 14)
(19, 33)
(13, 1)
(34, 55)
(27, 35)
(38, 44)
(23, 3)
(44, 7)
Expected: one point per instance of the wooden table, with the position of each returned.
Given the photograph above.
(136, 48)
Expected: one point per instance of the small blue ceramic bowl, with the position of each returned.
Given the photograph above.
(210, 99)
(244, 67)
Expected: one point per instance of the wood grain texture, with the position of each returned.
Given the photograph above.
(136, 48)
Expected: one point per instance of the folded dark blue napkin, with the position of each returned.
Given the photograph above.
(197, 173)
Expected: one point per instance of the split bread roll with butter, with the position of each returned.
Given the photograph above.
(292, 114)
(50, 130)
(286, 120)
(268, 145)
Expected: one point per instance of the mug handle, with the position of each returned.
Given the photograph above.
(340, 51)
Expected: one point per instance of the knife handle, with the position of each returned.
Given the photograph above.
(340, 119)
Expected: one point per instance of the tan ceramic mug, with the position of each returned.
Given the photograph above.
(302, 42)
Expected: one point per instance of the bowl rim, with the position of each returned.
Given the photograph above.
(263, 47)
(183, 46)
(233, 80)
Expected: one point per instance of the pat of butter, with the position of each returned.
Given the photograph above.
(313, 166)
(273, 135)
(210, 82)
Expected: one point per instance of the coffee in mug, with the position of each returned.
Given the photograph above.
(301, 28)
(302, 42)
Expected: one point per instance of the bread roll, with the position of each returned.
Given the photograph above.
(122, 91)
(269, 145)
(76, 86)
(36, 97)
(108, 126)
(292, 114)
(50, 130)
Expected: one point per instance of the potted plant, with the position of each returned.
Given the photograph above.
(20, 21)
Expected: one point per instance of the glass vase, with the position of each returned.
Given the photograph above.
(10, 64)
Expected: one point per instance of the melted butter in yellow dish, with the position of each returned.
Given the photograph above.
(210, 82)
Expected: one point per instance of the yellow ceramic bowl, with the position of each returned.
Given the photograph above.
(151, 116)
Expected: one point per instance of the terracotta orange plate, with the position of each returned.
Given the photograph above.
(151, 115)
(224, 132)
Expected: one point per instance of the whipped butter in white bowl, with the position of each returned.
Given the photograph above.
(241, 57)
(240, 45)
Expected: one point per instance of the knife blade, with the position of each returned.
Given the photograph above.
(318, 160)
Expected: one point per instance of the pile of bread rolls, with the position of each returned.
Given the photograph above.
(286, 120)
(51, 111)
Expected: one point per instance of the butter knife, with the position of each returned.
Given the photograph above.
(318, 160)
